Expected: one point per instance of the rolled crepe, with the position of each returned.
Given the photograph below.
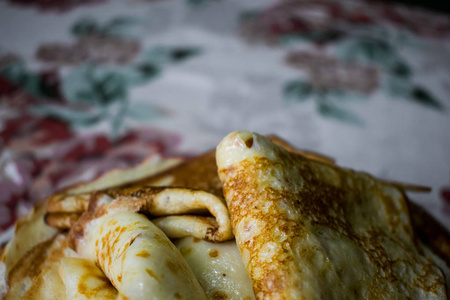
(310, 230)
(138, 259)
(167, 203)
(198, 173)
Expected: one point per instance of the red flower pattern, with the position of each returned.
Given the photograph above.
(325, 21)
(54, 5)
(41, 155)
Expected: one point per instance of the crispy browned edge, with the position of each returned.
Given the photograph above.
(63, 221)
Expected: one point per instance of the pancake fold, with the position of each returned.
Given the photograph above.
(312, 230)
(138, 258)
(254, 219)
(183, 212)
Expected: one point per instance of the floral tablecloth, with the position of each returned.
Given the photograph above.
(88, 86)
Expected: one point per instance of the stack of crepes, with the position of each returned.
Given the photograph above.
(255, 219)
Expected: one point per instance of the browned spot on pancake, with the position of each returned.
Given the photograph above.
(185, 250)
(119, 278)
(112, 222)
(213, 253)
(143, 253)
(178, 295)
(90, 271)
(150, 272)
(133, 239)
(172, 266)
(249, 142)
(219, 295)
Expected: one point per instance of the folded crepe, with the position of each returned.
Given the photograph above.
(198, 173)
(124, 227)
(156, 171)
(133, 252)
(66, 206)
(67, 274)
(310, 230)
(196, 207)
(138, 258)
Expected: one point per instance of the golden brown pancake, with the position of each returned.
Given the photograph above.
(82, 279)
(30, 231)
(36, 276)
(138, 259)
(310, 230)
(196, 173)
(180, 212)
(75, 199)
(185, 201)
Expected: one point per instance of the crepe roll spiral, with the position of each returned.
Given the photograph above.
(137, 257)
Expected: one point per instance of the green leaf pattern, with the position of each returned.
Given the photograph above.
(329, 110)
(123, 27)
(327, 101)
(376, 47)
(107, 88)
(100, 92)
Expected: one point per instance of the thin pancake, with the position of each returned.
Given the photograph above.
(138, 259)
(309, 230)
(83, 280)
(72, 199)
(218, 267)
(196, 173)
(178, 210)
(30, 231)
(36, 275)
(200, 173)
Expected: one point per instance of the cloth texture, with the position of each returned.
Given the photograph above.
(89, 86)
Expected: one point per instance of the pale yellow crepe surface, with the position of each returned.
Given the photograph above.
(218, 267)
(304, 230)
(138, 258)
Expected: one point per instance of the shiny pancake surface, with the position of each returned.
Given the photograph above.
(310, 230)
(304, 229)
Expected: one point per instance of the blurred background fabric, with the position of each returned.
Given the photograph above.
(89, 86)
